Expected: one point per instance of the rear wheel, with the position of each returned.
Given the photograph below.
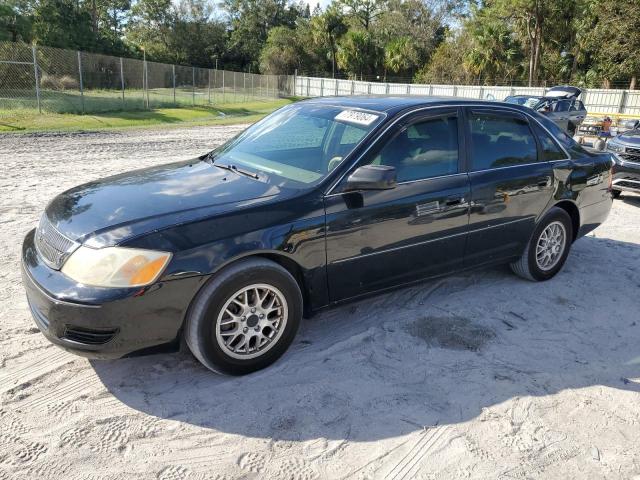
(547, 249)
(245, 318)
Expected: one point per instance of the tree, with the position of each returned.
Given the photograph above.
(327, 28)
(151, 27)
(363, 12)
(15, 21)
(52, 20)
(197, 38)
(448, 62)
(282, 53)
(493, 55)
(250, 22)
(357, 54)
(616, 42)
(400, 54)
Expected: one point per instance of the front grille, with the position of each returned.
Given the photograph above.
(53, 247)
(635, 151)
(627, 183)
(630, 157)
(89, 336)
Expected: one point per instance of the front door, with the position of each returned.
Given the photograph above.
(511, 184)
(378, 239)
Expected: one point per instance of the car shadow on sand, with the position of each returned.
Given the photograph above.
(436, 353)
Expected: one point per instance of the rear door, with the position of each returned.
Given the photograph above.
(577, 112)
(511, 184)
(378, 239)
(560, 113)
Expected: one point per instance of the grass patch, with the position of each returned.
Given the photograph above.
(28, 120)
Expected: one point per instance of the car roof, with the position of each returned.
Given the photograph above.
(392, 104)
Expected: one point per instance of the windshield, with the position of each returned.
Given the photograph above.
(526, 101)
(300, 144)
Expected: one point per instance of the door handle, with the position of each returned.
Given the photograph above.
(544, 182)
(452, 201)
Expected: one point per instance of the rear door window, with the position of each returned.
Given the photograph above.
(500, 139)
(549, 149)
(562, 106)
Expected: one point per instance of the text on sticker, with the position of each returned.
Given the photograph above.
(353, 116)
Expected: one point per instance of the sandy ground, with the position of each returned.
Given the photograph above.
(480, 375)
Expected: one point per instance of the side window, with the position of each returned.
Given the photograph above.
(500, 140)
(425, 149)
(550, 149)
(562, 106)
(565, 140)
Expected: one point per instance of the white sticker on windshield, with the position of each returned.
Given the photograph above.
(354, 116)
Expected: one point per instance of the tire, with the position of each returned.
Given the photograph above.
(599, 145)
(616, 193)
(528, 266)
(216, 324)
(571, 129)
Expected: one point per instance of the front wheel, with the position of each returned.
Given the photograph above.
(245, 318)
(547, 249)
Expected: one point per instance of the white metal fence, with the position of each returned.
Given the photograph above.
(596, 100)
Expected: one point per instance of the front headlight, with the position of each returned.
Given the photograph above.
(614, 147)
(115, 266)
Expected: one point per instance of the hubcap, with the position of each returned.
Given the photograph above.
(551, 245)
(251, 321)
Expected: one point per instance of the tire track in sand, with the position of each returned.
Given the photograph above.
(34, 369)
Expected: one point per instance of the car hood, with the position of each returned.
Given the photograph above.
(113, 209)
(630, 137)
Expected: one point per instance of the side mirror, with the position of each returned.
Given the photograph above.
(372, 177)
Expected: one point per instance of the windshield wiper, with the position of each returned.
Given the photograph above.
(233, 168)
(211, 157)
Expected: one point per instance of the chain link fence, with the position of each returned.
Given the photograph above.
(50, 79)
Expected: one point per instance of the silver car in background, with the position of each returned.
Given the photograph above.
(561, 104)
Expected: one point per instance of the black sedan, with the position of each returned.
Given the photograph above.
(321, 202)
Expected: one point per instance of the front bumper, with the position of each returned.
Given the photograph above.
(103, 322)
(626, 176)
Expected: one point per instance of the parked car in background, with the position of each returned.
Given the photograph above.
(560, 104)
(626, 151)
(321, 202)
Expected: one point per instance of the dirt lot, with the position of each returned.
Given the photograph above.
(480, 375)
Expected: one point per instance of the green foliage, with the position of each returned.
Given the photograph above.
(326, 29)
(400, 54)
(588, 42)
(494, 56)
(15, 22)
(615, 41)
(357, 54)
(250, 22)
(447, 63)
(287, 50)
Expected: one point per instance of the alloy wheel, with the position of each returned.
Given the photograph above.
(251, 321)
(551, 245)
